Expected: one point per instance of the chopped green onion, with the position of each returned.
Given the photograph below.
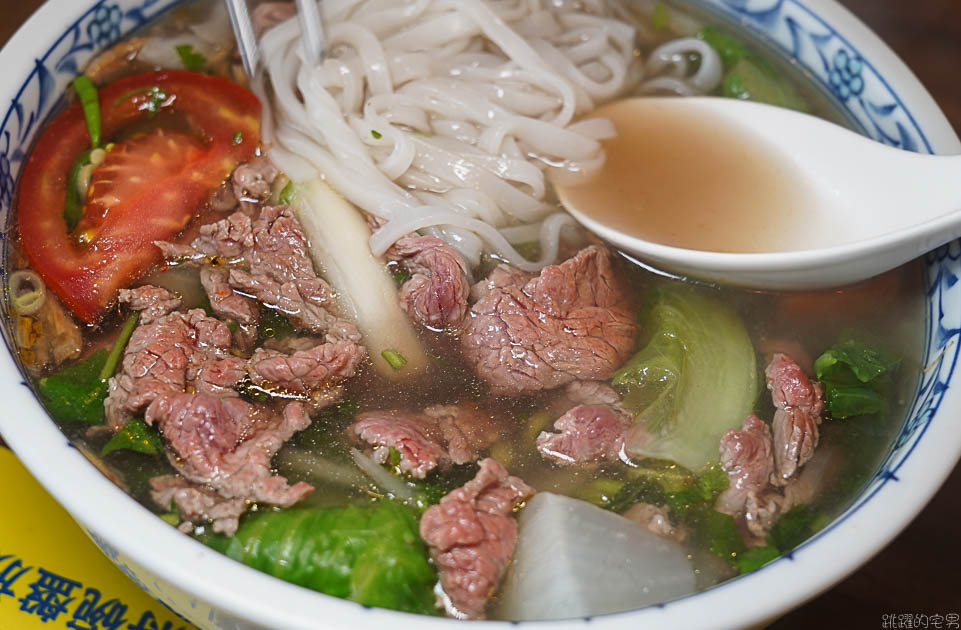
(171, 519)
(238, 137)
(287, 194)
(27, 292)
(192, 60)
(661, 18)
(395, 359)
(731, 49)
(90, 102)
(120, 99)
(399, 274)
(394, 457)
(118, 347)
(377, 135)
(157, 99)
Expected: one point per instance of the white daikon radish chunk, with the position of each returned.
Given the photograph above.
(365, 291)
(574, 559)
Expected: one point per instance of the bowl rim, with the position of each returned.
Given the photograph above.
(134, 534)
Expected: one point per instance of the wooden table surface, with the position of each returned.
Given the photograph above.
(920, 572)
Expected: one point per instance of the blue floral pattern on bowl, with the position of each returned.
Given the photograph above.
(845, 76)
(796, 31)
(789, 26)
(6, 180)
(104, 28)
(40, 90)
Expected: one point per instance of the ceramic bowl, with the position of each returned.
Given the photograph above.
(841, 56)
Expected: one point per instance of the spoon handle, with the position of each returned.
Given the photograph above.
(866, 188)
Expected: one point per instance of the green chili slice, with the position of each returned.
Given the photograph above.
(90, 102)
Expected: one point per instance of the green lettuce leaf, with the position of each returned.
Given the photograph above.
(854, 377)
(748, 76)
(695, 379)
(134, 436)
(77, 393)
(730, 48)
(370, 553)
(851, 358)
(751, 79)
(797, 525)
(754, 558)
(846, 401)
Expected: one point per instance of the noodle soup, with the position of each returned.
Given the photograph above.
(341, 330)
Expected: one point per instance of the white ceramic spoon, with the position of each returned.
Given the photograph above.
(813, 204)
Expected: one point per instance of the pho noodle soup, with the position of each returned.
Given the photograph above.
(333, 322)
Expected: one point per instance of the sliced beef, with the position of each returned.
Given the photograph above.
(231, 306)
(152, 302)
(226, 444)
(280, 252)
(472, 537)
(304, 371)
(229, 239)
(267, 15)
(592, 425)
(465, 429)
(656, 520)
(251, 182)
(441, 435)
(502, 277)
(175, 353)
(415, 441)
(196, 504)
(747, 457)
(824, 468)
(304, 312)
(436, 293)
(220, 376)
(586, 433)
(249, 186)
(225, 303)
(761, 468)
(761, 511)
(267, 259)
(572, 322)
(798, 403)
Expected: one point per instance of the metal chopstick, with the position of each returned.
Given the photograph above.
(244, 32)
(312, 30)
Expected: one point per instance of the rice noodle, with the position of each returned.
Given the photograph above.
(448, 116)
(674, 57)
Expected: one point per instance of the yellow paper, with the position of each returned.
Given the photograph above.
(52, 577)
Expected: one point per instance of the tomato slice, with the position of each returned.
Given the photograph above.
(147, 189)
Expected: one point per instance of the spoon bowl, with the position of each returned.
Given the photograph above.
(846, 207)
